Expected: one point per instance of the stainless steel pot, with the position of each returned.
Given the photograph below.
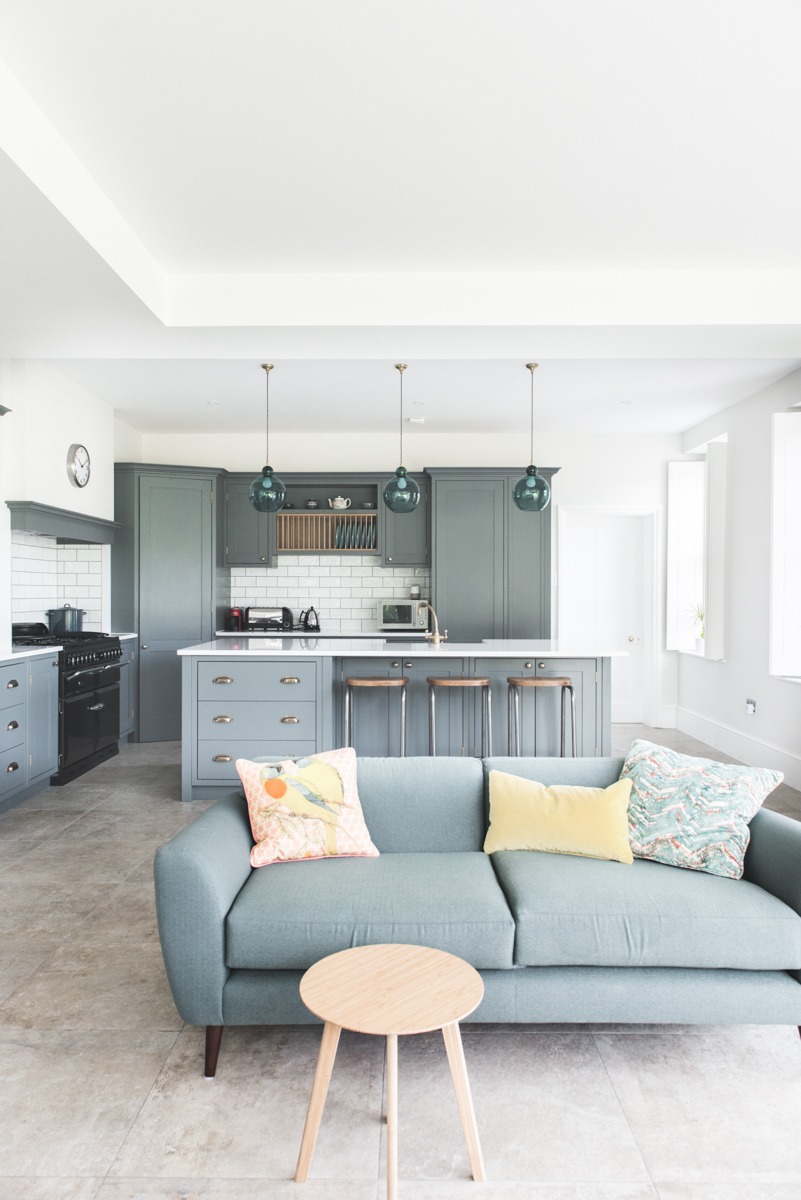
(66, 619)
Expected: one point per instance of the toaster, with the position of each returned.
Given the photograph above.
(269, 618)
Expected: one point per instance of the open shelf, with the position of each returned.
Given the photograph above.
(343, 532)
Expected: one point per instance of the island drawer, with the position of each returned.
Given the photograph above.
(284, 680)
(12, 727)
(221, 721)
(13, 769)
(228, 752)
(12, 683)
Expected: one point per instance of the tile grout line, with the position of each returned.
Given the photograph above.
(624, 1114)
(52, 836)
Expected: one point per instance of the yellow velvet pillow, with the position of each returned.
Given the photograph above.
(526, 815)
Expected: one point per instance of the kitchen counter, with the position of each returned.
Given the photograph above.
(271, 646)
(26, 652)
(401, 634)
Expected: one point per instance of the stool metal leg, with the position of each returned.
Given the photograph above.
(432, 729)
(483, 720)
(562, 725)
(573, 717)
(403, 721)
(489, 722)
(509, 719)
(518, 750)
(348, 704)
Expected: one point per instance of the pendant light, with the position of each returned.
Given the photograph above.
(401, 495)
(532, 492)
(267, 493)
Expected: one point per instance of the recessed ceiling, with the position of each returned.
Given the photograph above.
(604, 396)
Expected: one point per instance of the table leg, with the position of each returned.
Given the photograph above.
(322, 1077)
(461, 1084)
(392, 1116)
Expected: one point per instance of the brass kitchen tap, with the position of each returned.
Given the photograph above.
(436, 637)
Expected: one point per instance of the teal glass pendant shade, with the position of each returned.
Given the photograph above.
(267, 493)
(531, 492)
(402, 494)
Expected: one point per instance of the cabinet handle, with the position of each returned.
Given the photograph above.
(528, 665)
(223, 720)
(95, 707)
(144, 647)
(262, 558)
(389, 559)
(54, 663)
(290, 679)
(12, 683)
(222, 679)
(222, 758)
(12, 767)
(290, 720)
(12, 725)
(394, 664)
(541, 666)
(407, 664)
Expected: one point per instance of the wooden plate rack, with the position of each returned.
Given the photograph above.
(343, 533)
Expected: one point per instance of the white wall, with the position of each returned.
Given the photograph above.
(712, 695)
(49, 413)
(127, 442)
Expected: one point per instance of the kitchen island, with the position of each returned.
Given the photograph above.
(245, 697)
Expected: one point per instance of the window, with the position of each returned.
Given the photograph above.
(785, 559)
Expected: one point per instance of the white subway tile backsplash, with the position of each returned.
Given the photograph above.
(46, 575)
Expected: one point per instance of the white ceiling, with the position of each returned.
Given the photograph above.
(461, 135)
(604, 396)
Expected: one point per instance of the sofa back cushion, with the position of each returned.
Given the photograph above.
(418, 805)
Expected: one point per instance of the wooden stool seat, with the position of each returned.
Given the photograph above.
(535, 681)
(374, 681)
(390, 990)
(457, 681)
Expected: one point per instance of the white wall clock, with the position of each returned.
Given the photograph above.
(79, 467)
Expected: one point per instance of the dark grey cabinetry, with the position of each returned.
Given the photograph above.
(540, 730)
(42, 718)
(168, 582)
(403, 537)
(248, 534)
(28, 727)
(491, 563)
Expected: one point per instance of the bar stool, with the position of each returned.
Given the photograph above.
(435, 681)
(515, 683)
(372, 681)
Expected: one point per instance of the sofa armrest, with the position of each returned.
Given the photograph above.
(773, 857)
(198, 875)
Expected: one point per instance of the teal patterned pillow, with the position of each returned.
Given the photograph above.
(692, 812)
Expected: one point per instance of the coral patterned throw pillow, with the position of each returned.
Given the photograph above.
(305, 808)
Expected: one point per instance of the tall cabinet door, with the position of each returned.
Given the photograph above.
(528, 571)
(175, 593)
(405, 535)
(247, 532)
(467, 578)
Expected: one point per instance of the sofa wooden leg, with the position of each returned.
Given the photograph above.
(213, 1038)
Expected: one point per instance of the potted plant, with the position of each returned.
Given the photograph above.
(697, 611)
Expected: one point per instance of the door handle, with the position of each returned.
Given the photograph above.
(219, 678)
(631, 637)
(12, 683)
(222, 720)
(290, 720)
(222, 758)
(95, 707)
(290, 679)
(12, 767)
(12, 725)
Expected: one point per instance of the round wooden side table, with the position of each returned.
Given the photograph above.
(390, 990)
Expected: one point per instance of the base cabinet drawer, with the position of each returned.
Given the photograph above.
(285, 721)
(228, 681)
(13, 769)
(13, 727)
(217, 760)
(12, 683)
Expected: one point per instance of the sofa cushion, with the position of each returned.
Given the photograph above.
(589, 912)
(422, 804)
(291, 915)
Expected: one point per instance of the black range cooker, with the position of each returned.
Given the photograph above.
(88, 696)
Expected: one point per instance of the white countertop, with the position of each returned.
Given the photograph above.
(375, 634)
(267, 646)
(125, 637)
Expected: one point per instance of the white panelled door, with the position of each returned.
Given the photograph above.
(601, 596)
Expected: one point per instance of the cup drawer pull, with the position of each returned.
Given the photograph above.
(222, 720)
(290, 720)
(222, 679)
(12, 683)
(12, 767)
(222, 758)
(290, 679)
(12, 725)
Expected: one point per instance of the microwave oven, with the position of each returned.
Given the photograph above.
(401, 614)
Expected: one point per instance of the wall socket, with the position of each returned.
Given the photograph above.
(750, 707)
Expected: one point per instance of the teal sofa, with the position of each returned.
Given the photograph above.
(557, 938)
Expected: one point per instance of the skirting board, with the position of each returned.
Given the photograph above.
(748, 750)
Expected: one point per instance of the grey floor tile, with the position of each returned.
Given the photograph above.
(68, 1099)
(729, 1098)
(31, 1187)
(248, 1121)
(532, 1092)
(238, 1189)
(728, 1191)
(20, 955)
(463, 1189)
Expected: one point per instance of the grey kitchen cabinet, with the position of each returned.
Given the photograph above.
(127, 688)
(376, 711)
(42, 718)
(540, 708)
(454, 707)
(169, 582)
(248, 537)
(490, 562)
(403, 537)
